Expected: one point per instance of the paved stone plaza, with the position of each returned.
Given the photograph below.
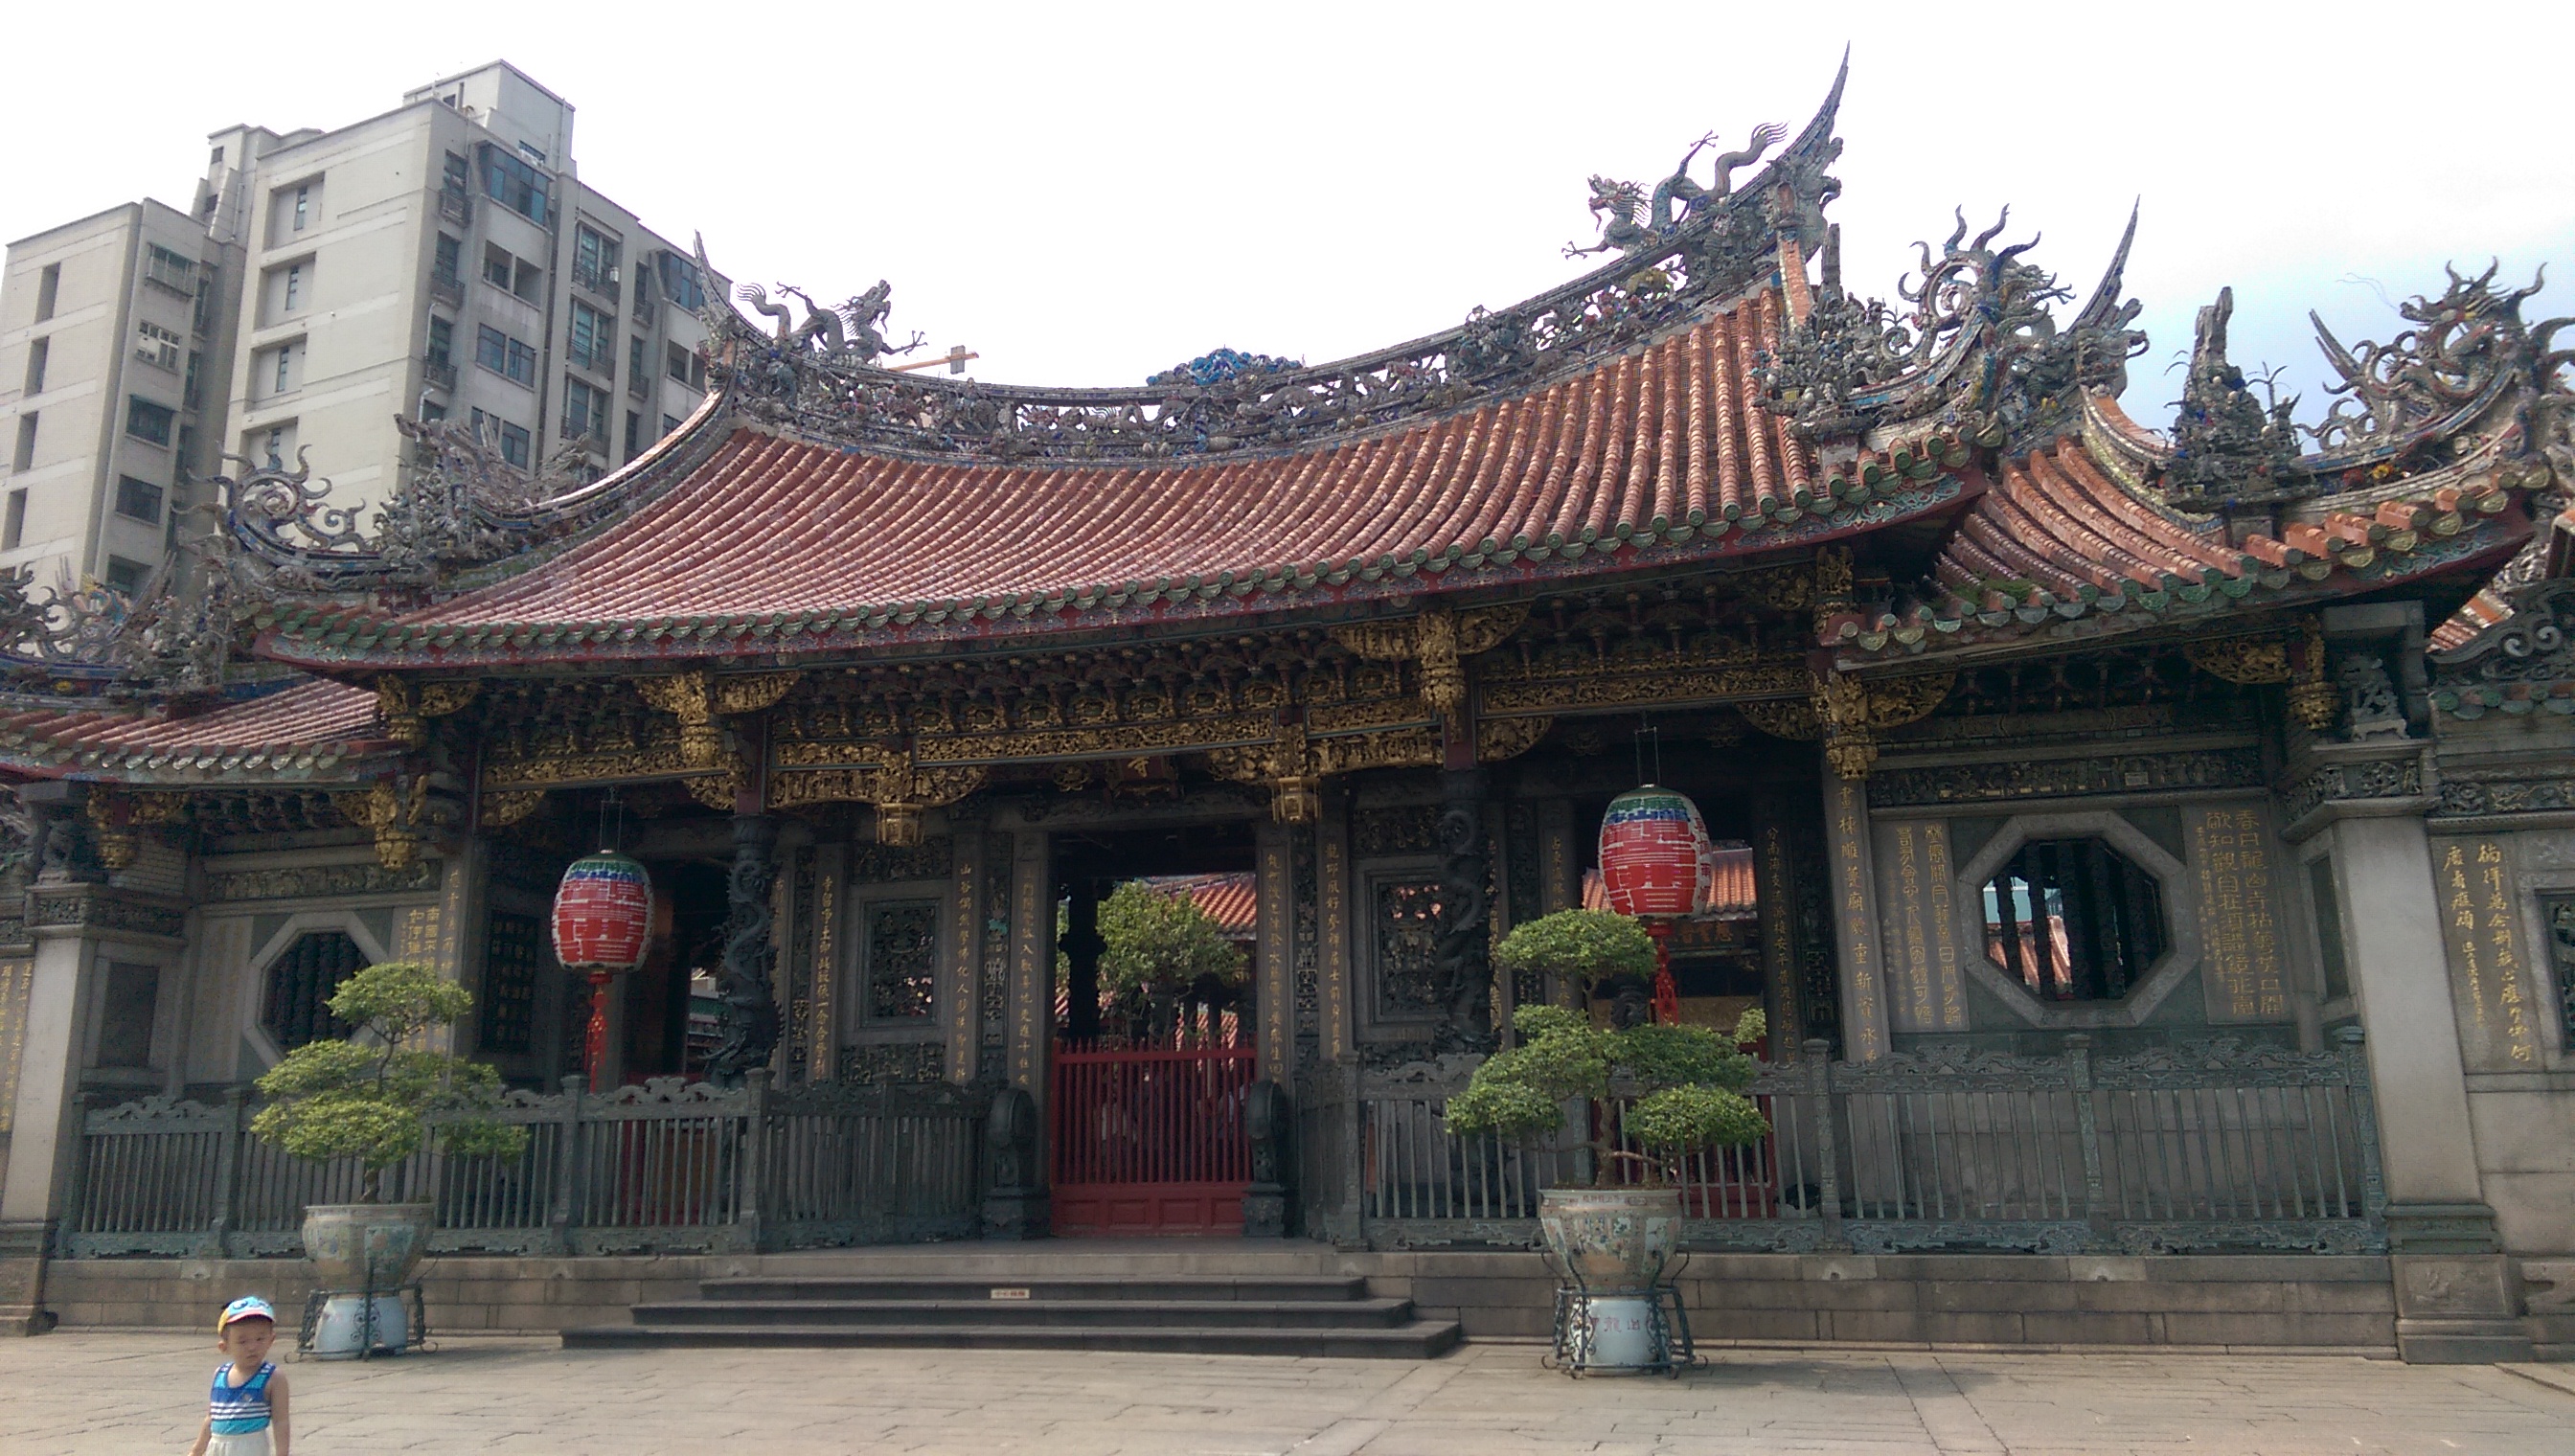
(127, 1394)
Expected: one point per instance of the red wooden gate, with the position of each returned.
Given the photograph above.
(1149, 1141)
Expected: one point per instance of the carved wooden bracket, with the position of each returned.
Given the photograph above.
(397, 818)
(697, 699)
(899, 789)
(503, 807)
(401, 714)
(1848, 715)
(1438, 642)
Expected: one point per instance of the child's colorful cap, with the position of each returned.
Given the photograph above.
(249, 1306)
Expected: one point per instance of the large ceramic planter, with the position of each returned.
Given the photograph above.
(357, 1246)
(1614, 1240)
(1615, 1243)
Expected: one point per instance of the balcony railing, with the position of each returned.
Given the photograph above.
(646, 309)
(439, 373)
(639, 384)
(601, 281)
(448, 289)
(456, 206)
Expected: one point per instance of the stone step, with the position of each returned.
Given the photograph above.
(1422, 1339)
(1067, 1314)
(1317, 1289)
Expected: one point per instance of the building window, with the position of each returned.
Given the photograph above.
(294, 287)
(685, 365)
(514, 958)
(448, 264)
(49, 284)
(634, 363)
(2073, 920)
(137, 500)
(148, 422)
(273, 445)
(297, 1007)
(515, 185)
(38, 352)
(303, 205)
(13, 530)
(594, 339)
(25, 455)
(515, 446)
(130, 1003)
(680, 284)
(669, 424)
(1407, 936)
(585, 411)
(593, 262)
(901, 956)
(456, 178)
(278, 370)
(176, 272)
(125, 575)
(201, 318)
(507, 357)
(634, 434)
(442, 343)
(157, 345)
(498, 267)
(191, 397)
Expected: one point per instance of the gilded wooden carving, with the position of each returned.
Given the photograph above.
(2247, 661)
(400, 714)
(439, 699)
(503, 807)
(1497, 739)
(689, 698)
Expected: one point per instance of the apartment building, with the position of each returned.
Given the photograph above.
(441, 260)
(115, 356)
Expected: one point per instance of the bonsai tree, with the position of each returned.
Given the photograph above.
(1586, 946)
(1688, 1081)
(375, 1097)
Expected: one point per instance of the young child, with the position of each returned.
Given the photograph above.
(246, 1415)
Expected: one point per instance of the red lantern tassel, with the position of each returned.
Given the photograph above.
(1667, 997)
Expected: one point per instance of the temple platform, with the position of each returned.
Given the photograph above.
(1400, 1299)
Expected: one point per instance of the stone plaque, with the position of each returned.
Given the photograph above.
(2244, 973)
(2481, 933)
(1919, 912)
(16, 978)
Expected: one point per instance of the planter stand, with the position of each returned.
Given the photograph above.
(414, 1323)
(1621, 1332)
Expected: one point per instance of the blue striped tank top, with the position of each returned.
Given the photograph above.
(239, 1409)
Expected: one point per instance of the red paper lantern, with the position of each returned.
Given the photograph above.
(603, 925)
(1657, 864)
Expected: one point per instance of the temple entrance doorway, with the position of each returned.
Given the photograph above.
(1154, 1003)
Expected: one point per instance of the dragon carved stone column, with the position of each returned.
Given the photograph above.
(1462, 956)
(750, 1007)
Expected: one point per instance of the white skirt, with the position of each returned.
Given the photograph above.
(248, 1443)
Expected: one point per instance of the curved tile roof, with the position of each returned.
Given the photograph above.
(780, 545)
(313, 729)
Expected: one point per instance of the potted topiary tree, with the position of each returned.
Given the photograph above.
(1683, 1088)
(377, 1099)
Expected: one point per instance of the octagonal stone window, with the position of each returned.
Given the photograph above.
(2073, 919)
(296, 1009)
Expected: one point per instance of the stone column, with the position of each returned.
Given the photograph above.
(1274, 993)
(1854, 886)
(1463, 952)
(2457, 1296)
(1014, 1201)
(69, 922)
(750, 1004)
(1334, 914)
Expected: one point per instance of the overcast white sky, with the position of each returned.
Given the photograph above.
(1089, 193)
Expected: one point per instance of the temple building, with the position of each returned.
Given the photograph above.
(2145, 843)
